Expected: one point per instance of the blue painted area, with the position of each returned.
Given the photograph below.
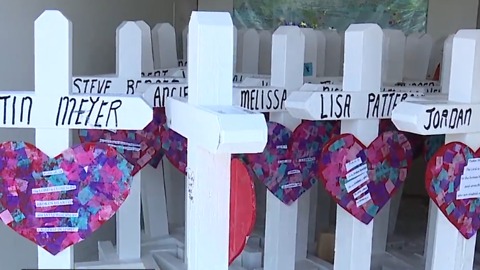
(308, 69)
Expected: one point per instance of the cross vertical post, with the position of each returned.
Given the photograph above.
(53, 73)
(280, 248)
(445, 84)
(214, 130)
(392, 67)
(449, 249)
(153, 197)
(129, 64)
(362, 73)
(362, 78)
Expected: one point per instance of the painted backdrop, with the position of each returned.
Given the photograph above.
(407, 15)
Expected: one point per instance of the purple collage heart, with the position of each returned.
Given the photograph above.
(288, 166)
(139, 147)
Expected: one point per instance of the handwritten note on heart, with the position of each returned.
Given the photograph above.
(242, 207)
(362, 180)
(139, 147)
(289, 164)
(58, 202)
(451, 180)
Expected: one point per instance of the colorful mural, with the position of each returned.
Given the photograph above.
(407, 15)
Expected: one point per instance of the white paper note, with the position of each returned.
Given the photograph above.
(52, 172)
(353, 183)
(357, 171)
(469, 187)
(53, 203)
(353, 163)
(58, 229)
(53, 189)
(363, 200)
(360, 191)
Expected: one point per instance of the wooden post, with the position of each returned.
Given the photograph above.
(248, 48)
(219, 130)
(281, 220)
(393, 62)
(445, 82)
(362, 74)
(449, 248)
(53, 71)
(164, 46)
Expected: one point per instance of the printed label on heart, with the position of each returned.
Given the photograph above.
(139, 147)
(289, 164)
(362, 180)
(454, 188)
(58, 202)
(242, 207)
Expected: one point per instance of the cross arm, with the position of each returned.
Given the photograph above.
(314, 105)
(435, 117)
(218, 129)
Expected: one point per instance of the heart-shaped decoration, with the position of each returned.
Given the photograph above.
(451, 180)
(362, 180)
(58, 202)
(174, 146)
(416, 141)
(289, 164)
(139, 147)
(242, 207)
(432, 144)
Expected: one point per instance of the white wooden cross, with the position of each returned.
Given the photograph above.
(53, 66)
(129, 65)
(449, 249)
(360, 109)
(214, 129)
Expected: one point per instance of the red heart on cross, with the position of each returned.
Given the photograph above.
(242, 207)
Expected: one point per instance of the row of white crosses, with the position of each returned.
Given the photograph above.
(143, 57)
(155, 225)
(399, 78)
(135, 29)
(287, 261)
(270, 228)
(323, 44)
(148, 96)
